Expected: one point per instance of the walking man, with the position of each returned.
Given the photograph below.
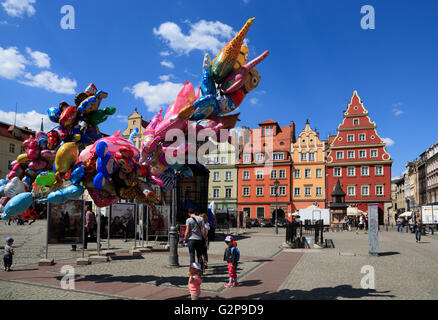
(195, 236)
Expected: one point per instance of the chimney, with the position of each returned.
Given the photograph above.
(292, 132)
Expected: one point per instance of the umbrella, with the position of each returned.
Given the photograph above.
(406, 214)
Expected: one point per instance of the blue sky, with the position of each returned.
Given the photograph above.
(143, 52)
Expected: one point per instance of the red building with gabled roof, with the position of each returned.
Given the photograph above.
(260, 165)
(358, 158)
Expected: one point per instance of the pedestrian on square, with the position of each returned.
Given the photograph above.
(206, 243)
(418, 230)
(195, 280)
(399, 224)
(9, 252)
(231, 256)
(195, 236)
(90, 223)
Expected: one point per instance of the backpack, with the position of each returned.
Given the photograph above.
(237, 253)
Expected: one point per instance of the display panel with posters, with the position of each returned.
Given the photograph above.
(159, 222)
(65, 222)
(122, 225)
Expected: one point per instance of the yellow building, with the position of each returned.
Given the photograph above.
(222, 184)
(135, 120)
(11, 138)
(308, 170)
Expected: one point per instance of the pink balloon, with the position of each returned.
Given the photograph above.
(101, 198)
(37, 165)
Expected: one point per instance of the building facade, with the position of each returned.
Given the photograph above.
(265, 159)
(432, 174)
(357, 156)
(222, 184)
(135, 120)
(308, 170)
(11, 139)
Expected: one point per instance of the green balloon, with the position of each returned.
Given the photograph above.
(45, 179)
(100, 116)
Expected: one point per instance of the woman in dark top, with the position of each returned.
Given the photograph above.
(418, 230)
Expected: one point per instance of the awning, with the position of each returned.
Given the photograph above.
(406, 214)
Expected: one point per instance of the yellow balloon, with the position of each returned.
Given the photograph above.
(242, 57)
(22, 158)
(67, 155)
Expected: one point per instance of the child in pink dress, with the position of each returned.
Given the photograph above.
(195, 280)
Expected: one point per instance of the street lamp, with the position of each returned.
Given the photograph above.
(276, 184)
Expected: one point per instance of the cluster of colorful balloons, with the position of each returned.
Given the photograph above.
(60, 165)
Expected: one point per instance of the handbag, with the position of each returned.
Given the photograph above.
(202, 234)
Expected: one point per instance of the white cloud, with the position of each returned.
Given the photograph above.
(164, 53)
(254, 100)
(13, 67)
(31, 119)
(51, 82)
(203, 35)
(12, 63)
(156, 96)
(17, 8)
(166, 77)
(396, 109)
(388, 141)
(122, 118)
(167, 64)
(40, 59)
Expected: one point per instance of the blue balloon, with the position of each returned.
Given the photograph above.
(63, 195)
(3, 182)
(2, 190)
(18, 204)
(54, 114)
(77, 175)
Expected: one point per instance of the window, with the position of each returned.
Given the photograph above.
(307, 173)
(319, 173)
(379, 190)
(273, 174)
(307, 191)
(365, 190)
(311, 156)
(223, 160)
(297, 192)
(130, 131)
(364, 171)
(337, 172)
(260, 213)
(297, 173)
(216, 176)
(362, 153)
(133, 122)
(303, 156)
(373, 153)
(318, 191)
(259, 157)
(245, 175)
(215, 193)
(350, 138)
(246, 158)
(12, 148)
(259, 191)
(228, 175)
(282, 191)
(351, 191)
(216, 160)
(355, 122)
(259, 175)
(379, 171)
(340, 155)
(351, 172)
(362, 136)
(245, 191)
(282, 173)
(228, 193)
(278, 156)
(350, 154)
(273, 193)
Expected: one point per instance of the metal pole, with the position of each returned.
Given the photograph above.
(83, 227)
(173, 236)
(147, 226)
(109, 226)
(48, 225)
(276, 210)
(135, 223)
(142, 225)
(98, 230)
